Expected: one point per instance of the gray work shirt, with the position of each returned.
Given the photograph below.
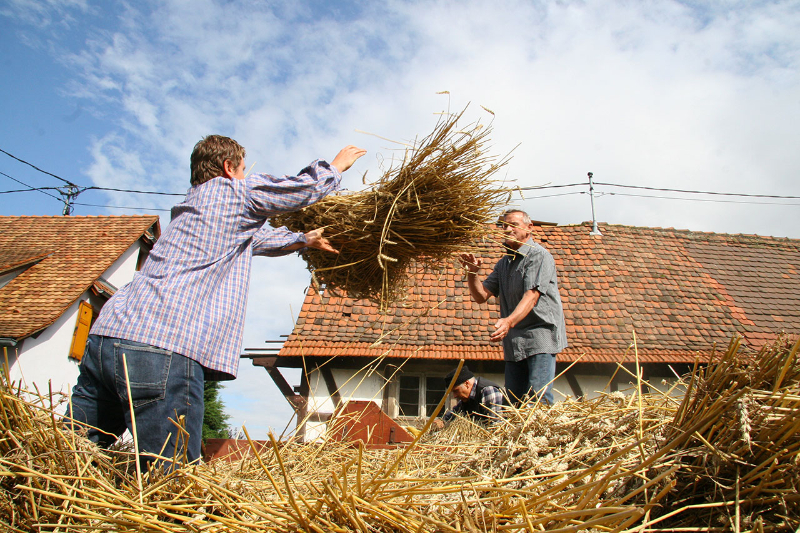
(543, 330)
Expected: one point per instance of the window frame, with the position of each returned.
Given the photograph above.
(422, 394)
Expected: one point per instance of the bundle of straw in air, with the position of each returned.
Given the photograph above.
(436, 202)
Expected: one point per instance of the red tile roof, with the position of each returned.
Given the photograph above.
(66, 254)
(681, 291)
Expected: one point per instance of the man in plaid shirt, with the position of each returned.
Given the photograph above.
(180, 321)
(477, 397)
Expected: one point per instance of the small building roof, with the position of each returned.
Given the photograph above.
(682, 292)
(62, 257)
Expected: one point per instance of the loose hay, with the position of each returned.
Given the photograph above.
(723, 458)
(436, 202)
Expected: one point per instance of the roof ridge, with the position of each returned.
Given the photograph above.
(673, 229)
(72, 217)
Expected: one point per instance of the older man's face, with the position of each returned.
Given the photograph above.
(516, 231)
(461, 391)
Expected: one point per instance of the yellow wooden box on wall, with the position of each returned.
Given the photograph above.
(81, 333)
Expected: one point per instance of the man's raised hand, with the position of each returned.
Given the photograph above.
(346, 157)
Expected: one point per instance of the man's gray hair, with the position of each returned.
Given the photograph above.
(525, 218)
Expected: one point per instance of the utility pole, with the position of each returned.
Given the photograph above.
(70, 192)
(594, 231)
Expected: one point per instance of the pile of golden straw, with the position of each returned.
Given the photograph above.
(725, 458)
(436, 202)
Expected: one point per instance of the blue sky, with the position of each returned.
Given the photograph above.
(681, 95)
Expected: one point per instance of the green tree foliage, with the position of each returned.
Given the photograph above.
(215, 421)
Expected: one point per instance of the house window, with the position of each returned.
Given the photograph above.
(418, 395)
(408, 396)
(435, 388)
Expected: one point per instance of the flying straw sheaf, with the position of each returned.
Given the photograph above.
(436, 202)
(723, 458)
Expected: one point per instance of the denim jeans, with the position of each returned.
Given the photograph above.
(533, 375)
(163, 385)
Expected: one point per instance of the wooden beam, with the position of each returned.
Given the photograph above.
(268, 363)
(330, 383)
(574, 385)
(387, 393)
(316, 416)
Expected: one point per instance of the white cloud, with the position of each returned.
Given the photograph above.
(44, 13)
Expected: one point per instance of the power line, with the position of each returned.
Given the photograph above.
(85, 188)
(37, 189)
(37, 168)
(697, 192)
(534, 187)
(133, 191)
(702, 199)
(70, 192)
(124, 207)
(662, 189)
(31, 188)
(558, 194)
(578, 184)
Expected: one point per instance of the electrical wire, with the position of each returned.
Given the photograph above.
(43, 189)
(531, 188)
(696, 192)
(84, 188)
(700, 199)
(133, 191)
(32, 189)
(40, 189)
(536, 197)
(534, 187)
(123, 207)
(37, 168)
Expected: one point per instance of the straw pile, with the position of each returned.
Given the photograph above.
(725, 458)
(434, 203)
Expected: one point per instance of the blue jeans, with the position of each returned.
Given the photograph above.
(533, 375)
(163, 385)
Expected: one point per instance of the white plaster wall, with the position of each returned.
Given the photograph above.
(362, 385)
(122, 270)
(594, 386)
(46, 358)
(672, 386)
(497, 378)
(315, 431)
(561, 389)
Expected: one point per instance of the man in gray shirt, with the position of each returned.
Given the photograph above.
(531, 326)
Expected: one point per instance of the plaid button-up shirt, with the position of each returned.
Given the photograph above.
(491, 398)
(190, 296)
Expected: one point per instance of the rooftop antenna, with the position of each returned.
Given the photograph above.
(594, 231)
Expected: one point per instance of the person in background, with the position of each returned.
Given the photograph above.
(531, 326)
(478, 398)
(181, 320)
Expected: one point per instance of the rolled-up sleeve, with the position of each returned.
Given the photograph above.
(271, 242)
(539, 278)
(269, 195)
